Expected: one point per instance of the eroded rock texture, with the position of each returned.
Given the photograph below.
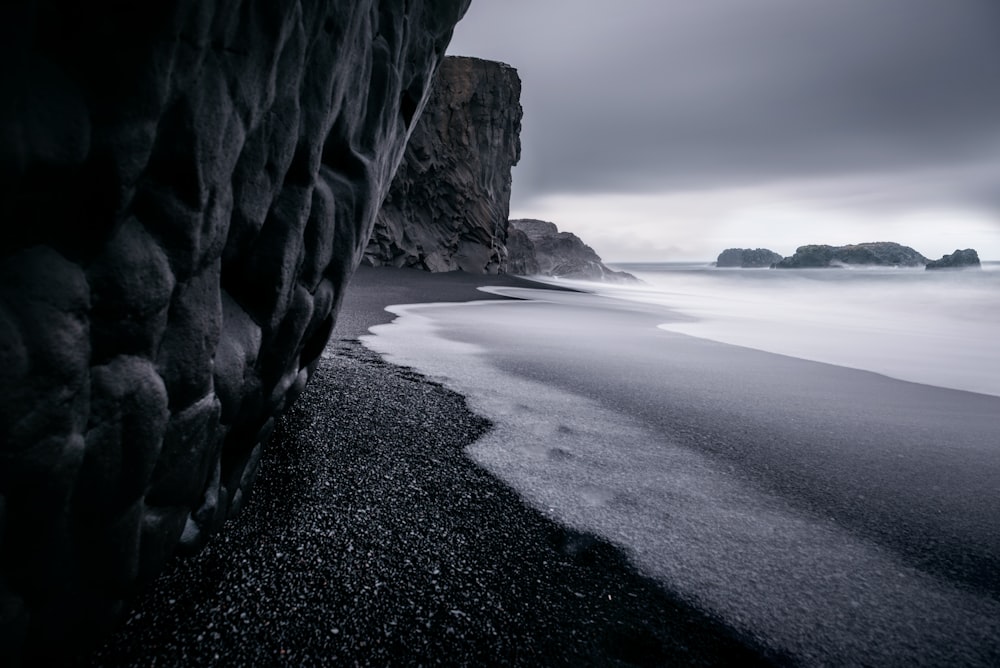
(538, 247)
(185, 188)
(448, 205)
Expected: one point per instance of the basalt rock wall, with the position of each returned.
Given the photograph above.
(185, 189)
(448, 205)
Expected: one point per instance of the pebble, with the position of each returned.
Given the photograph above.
(371, 539)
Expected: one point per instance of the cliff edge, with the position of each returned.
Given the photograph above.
(448, 205)
(185, 190)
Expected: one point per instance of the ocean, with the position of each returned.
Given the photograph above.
(936, 327)
(811, 456)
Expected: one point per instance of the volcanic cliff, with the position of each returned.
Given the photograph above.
(448, 205)
(185, 189)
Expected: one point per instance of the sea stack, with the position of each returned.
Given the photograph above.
(747, 258)
(878, 253)
(448, 205)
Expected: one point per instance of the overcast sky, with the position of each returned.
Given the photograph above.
(671, 129)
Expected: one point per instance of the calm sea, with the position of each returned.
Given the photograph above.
(935, 327)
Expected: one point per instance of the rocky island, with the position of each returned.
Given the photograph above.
(747, 258)
(880, 253)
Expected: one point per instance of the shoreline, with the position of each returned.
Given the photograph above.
(834, 513)
(371, 537)
(372, 289)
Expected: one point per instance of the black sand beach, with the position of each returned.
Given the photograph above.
(371, 539)
(840, 515)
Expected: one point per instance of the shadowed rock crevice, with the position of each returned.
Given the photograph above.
(185, 192)
(747, 258)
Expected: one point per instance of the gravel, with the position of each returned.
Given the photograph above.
(371, 539)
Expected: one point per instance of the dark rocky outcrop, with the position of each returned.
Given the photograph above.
(448, 205)
(960, 259)
(185, 189)
(521, 259)
(553, 253)
(879, 253)
(747, 258)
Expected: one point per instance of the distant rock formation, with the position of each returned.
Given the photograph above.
(448, 205)
(540, 248)
(960, 259)
(186, 188)
(747, 258)
(879, 253)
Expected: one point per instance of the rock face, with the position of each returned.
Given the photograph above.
(960, 259)
(521, 259)
(185, 189)
(540, 248)
(747, 258)
(882, 253)
(447, 208)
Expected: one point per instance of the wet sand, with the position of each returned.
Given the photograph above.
(372, 539)
(838, 515)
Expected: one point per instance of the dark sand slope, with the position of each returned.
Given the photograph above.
(372, 539)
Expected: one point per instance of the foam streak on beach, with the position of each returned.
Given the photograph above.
(831, 513)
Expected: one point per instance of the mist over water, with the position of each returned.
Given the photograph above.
(934, 327)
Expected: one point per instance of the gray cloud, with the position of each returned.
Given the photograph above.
(656, 95)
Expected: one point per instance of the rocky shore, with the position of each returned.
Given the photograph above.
(372, 539)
